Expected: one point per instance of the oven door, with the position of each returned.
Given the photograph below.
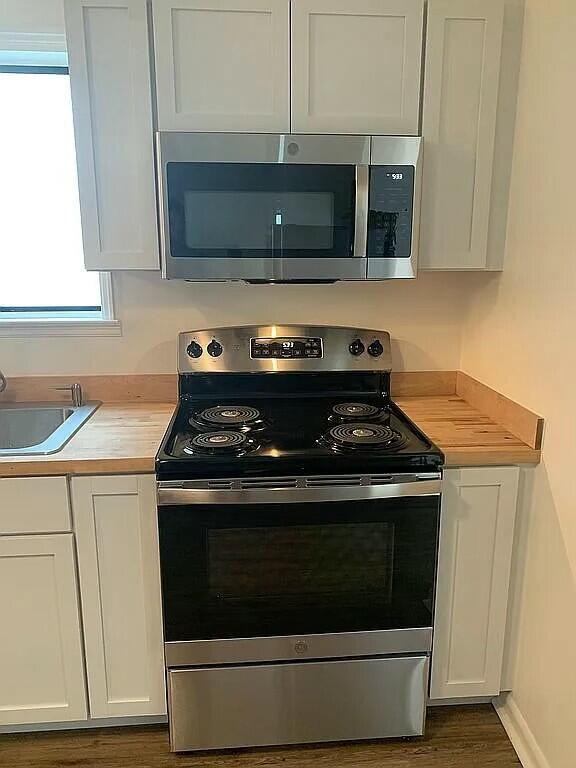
(263, 207)
(281, 572)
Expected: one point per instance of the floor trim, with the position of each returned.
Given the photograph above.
(99, 722)
(460, 701)
(519, 733)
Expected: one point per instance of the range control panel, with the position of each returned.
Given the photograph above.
(286, 348)
(277, 348)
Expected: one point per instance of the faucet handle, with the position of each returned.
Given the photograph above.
(75, 392)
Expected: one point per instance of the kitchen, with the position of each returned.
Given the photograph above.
(475, 352)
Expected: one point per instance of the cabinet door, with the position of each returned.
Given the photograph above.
(462, 71)
(356, 66)
(41, 665)
(222, 65)
(111, 99)
(476, 534)
(116, 534)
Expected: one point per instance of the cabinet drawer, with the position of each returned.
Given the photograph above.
(34, 505)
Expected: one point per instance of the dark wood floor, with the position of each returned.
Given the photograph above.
(456, 737)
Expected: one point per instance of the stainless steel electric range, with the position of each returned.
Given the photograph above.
(298, 512)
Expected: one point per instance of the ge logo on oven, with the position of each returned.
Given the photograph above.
(300, 647)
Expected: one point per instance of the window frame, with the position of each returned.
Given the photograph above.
(26, 324)
(57, 321)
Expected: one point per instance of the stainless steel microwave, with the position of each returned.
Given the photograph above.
(285, 207)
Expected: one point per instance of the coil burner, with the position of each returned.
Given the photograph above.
(364, 436)
(220, 442)
(242, 417)
(356, 411)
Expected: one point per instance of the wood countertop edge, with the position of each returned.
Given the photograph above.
(73, 467)
(456, 458)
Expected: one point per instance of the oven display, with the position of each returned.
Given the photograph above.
(286, 348)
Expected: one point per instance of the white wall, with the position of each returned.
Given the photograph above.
(32, 16)
(519, 337)
(423, 316)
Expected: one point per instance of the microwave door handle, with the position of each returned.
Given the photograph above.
(362, 206)
(278, 258)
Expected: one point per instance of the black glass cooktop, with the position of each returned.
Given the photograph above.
(333, 433)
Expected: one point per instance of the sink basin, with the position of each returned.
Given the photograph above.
(40, 428)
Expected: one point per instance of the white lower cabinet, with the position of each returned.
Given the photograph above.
(476, 538)
(116, 536)
(41, 665)
(42, 669)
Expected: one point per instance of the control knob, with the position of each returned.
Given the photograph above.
(356, 348)
(194, 349)
(375, 349)
(214, 349)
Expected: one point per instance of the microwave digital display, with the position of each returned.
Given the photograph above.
(286, 348)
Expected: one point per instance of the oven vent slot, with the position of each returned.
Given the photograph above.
(324, 482)
(268, 483)
(381, 479)
(219, 485)
(271, 483)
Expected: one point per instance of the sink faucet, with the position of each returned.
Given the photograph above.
(2, 382)
(75, 393)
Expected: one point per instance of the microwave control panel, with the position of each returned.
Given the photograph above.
(391, 210)
(286, 348)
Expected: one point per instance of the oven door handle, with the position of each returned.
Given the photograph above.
(182, 496)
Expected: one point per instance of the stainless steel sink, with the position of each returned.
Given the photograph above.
(40, 428)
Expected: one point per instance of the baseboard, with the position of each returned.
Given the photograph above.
(519, 733)
(460, 701)
(73, 725)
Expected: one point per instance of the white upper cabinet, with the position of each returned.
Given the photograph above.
(108, 54)
(459, 127)
(223, 65)
(476, 538)
(356, 66)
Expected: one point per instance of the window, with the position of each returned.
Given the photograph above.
(42, 275)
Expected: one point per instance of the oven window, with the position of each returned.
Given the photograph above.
(263, 570)
(237, 210)
(293, 562)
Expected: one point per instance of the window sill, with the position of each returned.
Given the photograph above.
(27, 328)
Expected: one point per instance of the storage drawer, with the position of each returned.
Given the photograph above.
(237, 706)
(34, 505)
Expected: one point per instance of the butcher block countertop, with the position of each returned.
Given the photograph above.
(472, 424)
(119, 438)
(467, 437)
